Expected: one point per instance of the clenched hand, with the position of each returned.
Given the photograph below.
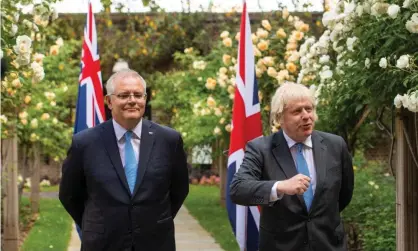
(298, 184)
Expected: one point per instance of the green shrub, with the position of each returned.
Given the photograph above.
(371, 215)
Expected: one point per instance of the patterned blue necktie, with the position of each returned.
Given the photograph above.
(302, 167)
(131, 165)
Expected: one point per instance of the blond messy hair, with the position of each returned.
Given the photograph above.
(286, 93)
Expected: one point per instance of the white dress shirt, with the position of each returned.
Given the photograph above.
(308, 154)
(120, 138)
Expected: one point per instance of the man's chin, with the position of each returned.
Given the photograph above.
(307, 132)
(133, 117)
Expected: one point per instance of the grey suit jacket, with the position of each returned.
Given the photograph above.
(286, 225)
(94, 189)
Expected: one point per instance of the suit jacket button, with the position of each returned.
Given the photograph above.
(309, 219)
(305, 242)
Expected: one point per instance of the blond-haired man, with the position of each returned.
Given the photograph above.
(301, 178)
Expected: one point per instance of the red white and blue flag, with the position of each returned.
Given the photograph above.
(246, 125)
(90, 109)
(90, 105)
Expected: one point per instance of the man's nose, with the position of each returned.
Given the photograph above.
(305, 114)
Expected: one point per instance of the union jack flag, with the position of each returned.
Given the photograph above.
(246, 125)
(90, 109)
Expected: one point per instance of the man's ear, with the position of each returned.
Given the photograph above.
(108, 101)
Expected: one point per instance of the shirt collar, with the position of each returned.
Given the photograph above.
(291, 142)
(120, 131)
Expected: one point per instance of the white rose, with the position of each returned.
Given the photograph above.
(359, 10)
(34, 123)
(398, 101)
(217, 131)
(350, 43)
(3, 118)
(23, 44)
(379, 8)
(59, 42)
(393, 10)
(54, 13)
(23, 59)
(414, 18)
(403, 62)
(406, 4)
(383, 63)
(324, 59)
(367, 63)
(303, 60)
(326, 74)
(412, 25)
(14, 29)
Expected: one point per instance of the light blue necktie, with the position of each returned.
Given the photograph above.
(302, 167)
(131, 165)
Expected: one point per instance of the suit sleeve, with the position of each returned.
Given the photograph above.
(246, 187)
(179, 178)
(72, 192)
(347, 185)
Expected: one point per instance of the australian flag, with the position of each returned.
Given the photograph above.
(90, 109)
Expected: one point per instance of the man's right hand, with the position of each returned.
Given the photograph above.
(298, 184)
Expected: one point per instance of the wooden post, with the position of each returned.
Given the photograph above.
(11, 203)
(401, 238)
(223, 171)
(412, 170)
(35, 179)
(406, 182)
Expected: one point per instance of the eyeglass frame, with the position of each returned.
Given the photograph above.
(130, 94)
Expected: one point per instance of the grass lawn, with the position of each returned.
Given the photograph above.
(203, 203)
(45, 189)
(52, 229)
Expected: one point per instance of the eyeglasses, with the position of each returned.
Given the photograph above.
(126, 96)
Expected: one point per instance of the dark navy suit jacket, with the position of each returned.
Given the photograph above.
(94, 189)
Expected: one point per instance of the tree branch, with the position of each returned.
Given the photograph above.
(382, 125)
(363, 117)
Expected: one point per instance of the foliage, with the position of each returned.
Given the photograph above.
(146, 41)
(366, 57)
(25, 214)
(34, 105)
(52, 229)
(198, 95)
(210, 215)
(372, 210)
(50, 110)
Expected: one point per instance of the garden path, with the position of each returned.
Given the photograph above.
(190, 236)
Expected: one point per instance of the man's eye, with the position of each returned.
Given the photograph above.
(123, 96)
(138, 95)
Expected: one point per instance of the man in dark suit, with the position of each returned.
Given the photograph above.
(124, 180)
(301, 178)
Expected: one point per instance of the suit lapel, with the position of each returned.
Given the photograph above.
(319, 153)
(145, 149)
(112, 149)
(281, 153)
